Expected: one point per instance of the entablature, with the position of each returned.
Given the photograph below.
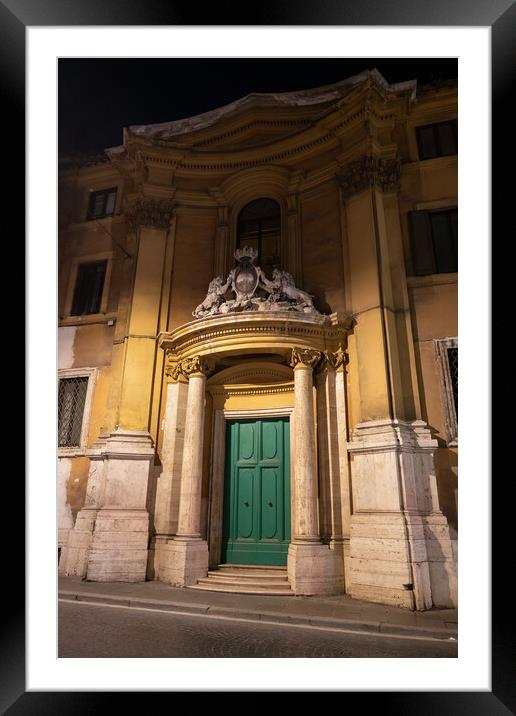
(219, 337)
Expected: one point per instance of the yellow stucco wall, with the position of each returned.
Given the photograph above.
(339, 266)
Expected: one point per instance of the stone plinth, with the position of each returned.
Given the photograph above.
(183, 562)
(119, 548)
(400, 547)
(120, 541)
(74, 560)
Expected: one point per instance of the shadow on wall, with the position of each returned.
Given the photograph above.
(446, 465)
(155, 472)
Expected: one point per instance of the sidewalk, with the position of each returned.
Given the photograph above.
(341, 612)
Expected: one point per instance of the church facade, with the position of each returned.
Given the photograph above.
(258, 349)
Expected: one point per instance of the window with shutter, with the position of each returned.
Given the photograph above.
(433, 238)
(89, 285)
(102, 203)
(437, 140)
(259, 226)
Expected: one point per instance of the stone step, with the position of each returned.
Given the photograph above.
(244, 575)
(257, 567)
(243, 589)
(245, 582)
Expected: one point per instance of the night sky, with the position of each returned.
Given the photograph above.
(99, 97)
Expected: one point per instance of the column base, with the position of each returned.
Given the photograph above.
(315, 569)
(381, 568)
(119, 546)
(442, 561)
(401, 550)
(183, 562)
(74, 561)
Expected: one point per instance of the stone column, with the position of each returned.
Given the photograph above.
(306, 522)
(167, 493)
(334, 507)
(341, 424)
(188, 557)
(311, 565)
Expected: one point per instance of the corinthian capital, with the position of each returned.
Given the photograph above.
(368, 172)
(146, 211)
(304, 357)
(337, 359)
(197, 364)
(172, 367)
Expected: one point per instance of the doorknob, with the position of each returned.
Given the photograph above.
(269, 503)
(246, 504)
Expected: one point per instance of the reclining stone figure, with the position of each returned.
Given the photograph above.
(215, 296)
(282, 285)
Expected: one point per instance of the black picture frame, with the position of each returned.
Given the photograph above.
(15, 17)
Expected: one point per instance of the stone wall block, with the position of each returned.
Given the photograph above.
(183, 563)
(315, 569)
(394, 597)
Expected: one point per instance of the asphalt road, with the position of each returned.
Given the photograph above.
(90, 630)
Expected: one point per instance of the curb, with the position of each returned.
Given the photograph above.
(261, 616)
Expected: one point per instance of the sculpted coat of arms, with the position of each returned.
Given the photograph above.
(245, 280)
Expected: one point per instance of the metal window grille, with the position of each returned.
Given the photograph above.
(71, 400)
(453, 364)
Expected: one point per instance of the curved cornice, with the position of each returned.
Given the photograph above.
(168, 131)
(252, 334)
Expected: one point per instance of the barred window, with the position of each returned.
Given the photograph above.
(453, 365)
(447, 350)
(71, 401)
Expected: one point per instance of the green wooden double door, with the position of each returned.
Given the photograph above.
(256, 524)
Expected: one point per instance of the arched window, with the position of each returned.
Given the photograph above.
(259, 226)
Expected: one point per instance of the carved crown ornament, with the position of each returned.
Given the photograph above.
(368, 172)
(253, 291)
(149, 212)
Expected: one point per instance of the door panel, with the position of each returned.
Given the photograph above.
(256, 525)
(247, 443)
(269, 507)
(245, 506)
(269, 440)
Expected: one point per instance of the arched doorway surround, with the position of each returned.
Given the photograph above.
(242, 366)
